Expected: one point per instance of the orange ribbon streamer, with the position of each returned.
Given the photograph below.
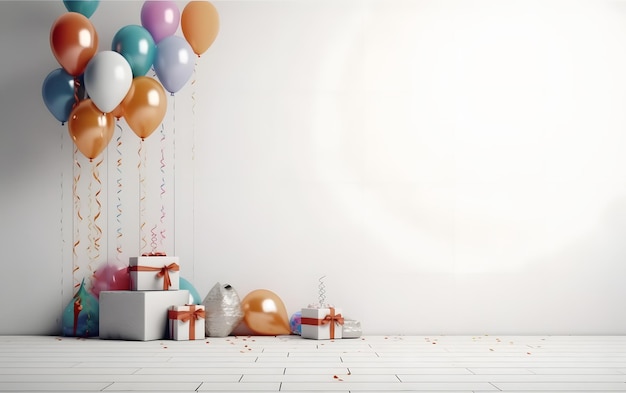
(191, 315)
(330, 318)
(162, 272)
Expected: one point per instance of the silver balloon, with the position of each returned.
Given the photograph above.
(223, 310)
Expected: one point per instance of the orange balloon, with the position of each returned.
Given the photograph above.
(90, 129)
(200, 23)
(265, 313)
(74, 42)
(144, 106)
(118, 112)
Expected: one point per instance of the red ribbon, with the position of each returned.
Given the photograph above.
(162, 272)
(191, 315)
(330, 318)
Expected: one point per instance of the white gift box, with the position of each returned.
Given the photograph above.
(137, 315)
(154, 273)
(321, 323)
(186, 322)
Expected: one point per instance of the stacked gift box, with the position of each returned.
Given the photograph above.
(154, 308)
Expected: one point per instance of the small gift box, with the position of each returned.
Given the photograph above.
(186, 322)
(321, 323)
(154, 273)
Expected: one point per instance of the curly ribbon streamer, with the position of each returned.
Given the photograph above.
(95, 211)
(78, 218)
(153, 239)
(174, 163)
(142, 197)
(118, 193)
(321, 287)
(162, 219)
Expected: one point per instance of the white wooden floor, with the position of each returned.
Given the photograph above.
(293, 364)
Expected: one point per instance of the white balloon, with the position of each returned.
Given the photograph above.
(108, 77)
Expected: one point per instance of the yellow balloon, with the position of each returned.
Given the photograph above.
(200, 24)
(90, 129)
(265, 313)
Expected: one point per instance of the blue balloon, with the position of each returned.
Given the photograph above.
(174, 62)
(194, 296)
(58, 94)
(85, 7)
(137, 46)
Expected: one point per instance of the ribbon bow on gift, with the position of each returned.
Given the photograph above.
(162, 272)
(186, 315)
(191, 316)
(331, 318)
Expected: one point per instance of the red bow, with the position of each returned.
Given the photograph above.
(162, 272)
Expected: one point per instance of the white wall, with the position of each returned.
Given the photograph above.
(452, 167)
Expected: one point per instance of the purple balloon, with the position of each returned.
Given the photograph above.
(160, 18)
(174, 62)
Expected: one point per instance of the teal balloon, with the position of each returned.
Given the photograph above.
(194, 296)
(81, 316)
(85, 7)
(58, 94)
(137, 46)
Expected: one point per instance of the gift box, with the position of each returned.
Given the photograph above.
(351, 329)
(322, 323)
(137, 315)
(186, 322)
(154, 273)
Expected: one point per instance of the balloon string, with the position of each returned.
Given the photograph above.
(193, 157)
(78, 218)
(142, 197)
(162, 219)
(193, 115)
(62, 234)
(76, 87)
(118, 193)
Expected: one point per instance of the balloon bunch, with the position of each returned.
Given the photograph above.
(93, 88)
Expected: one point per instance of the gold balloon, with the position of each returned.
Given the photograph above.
(144, 106)
(90, 129)
(265, 313)
(200, 24)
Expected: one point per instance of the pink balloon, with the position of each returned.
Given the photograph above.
(160, 18)
(110, 277)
